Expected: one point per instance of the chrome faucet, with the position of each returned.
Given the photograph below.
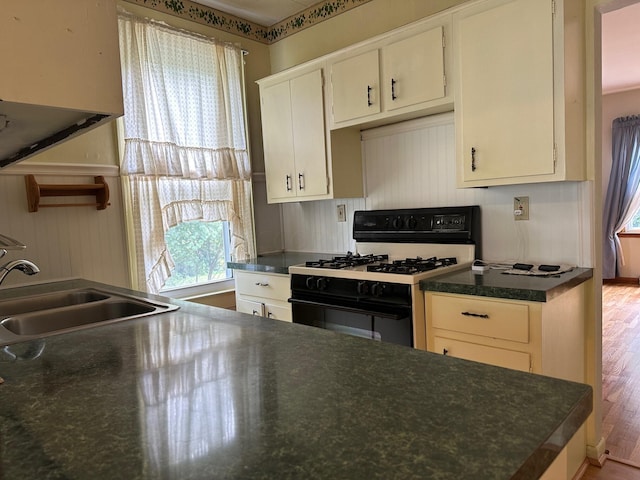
(25, 266)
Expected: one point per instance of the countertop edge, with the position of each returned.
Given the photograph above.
(547, 452)
(445, 285)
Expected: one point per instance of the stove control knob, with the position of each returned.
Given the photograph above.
(412, 223)
(397, 222)
(377, 289)
(309, 282)
(322, 283)
(362, 288)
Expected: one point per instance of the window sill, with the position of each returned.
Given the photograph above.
(207, 289)
(629, 234)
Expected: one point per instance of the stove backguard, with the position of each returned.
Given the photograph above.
(444, 225)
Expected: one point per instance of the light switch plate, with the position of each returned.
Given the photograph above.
(521, 208)
(342, 213)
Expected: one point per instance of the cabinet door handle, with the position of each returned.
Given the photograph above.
(477, 315)
(288, 183)
(301, 181)
(261, 284)
(269, 314)
(393, 89)
(445, 351)
(473, 159)
(369, 96)
(255, 312)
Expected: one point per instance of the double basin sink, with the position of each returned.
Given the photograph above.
(38, 316)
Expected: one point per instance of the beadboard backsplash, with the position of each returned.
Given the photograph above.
(412, 164)
(69, 241)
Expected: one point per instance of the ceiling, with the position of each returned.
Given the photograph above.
(262, 12)
(621, 49)
(620, 34)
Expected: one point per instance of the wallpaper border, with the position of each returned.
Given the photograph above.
(224, 21)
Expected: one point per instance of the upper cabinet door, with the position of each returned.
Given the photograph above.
(504, 99)
(307, 108)
(277, 138)
(355, 84)
(413, 70)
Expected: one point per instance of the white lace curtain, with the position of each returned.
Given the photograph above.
(185, 155)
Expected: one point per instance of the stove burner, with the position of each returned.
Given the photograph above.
(410, 266)
(346, 261)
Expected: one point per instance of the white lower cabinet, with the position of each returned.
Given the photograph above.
(540, 337)
(263, 294)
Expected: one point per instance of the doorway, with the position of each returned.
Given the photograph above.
(620, 302)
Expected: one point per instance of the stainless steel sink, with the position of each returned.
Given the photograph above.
(49, 301)
(39, 316)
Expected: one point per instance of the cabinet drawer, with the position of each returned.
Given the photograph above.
(504, 320)
(481, 353)
(247, 306)
(274, 286)
(278, 312)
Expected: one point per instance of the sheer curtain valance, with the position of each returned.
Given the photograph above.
(185, 144)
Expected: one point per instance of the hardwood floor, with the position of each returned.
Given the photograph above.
(612, 470)
(621, 371)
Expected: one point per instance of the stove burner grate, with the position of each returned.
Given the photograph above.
(346, 261)
(410, 266)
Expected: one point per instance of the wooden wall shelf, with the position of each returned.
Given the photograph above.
(36, 191)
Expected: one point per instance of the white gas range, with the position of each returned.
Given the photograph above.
(375, 292)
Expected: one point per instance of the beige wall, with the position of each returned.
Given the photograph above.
(355, 25)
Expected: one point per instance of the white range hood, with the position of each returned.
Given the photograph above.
(61, 73)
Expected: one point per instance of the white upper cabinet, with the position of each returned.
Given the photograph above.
(413, 70)
(293, 137)
(399, 76)
(303, 160)
(355, 84)
(512, 77)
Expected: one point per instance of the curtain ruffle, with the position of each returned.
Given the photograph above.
(143, 157)
(159, 273)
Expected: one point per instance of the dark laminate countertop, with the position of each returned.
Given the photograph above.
(494, 283)
(204, 393)
(277, 262)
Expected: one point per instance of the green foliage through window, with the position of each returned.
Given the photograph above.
(634, 224)
(200, 251)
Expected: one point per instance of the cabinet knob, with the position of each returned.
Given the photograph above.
(473, 159)
(369, 95)
(288, 183)
(269, 314)
(393, 89)
(445, 351)
(255, 312)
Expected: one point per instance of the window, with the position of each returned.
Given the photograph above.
(634, 225)
(185, 162)
(200, 251)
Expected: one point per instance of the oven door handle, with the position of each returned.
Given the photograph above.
(395, 313)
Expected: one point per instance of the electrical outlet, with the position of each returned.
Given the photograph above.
(521, 208)
(342, 213)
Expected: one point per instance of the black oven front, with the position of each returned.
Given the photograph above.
(376, 310)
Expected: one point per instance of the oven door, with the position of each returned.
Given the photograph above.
(376, 321)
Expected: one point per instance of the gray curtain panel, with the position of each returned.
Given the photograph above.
(620, 203)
